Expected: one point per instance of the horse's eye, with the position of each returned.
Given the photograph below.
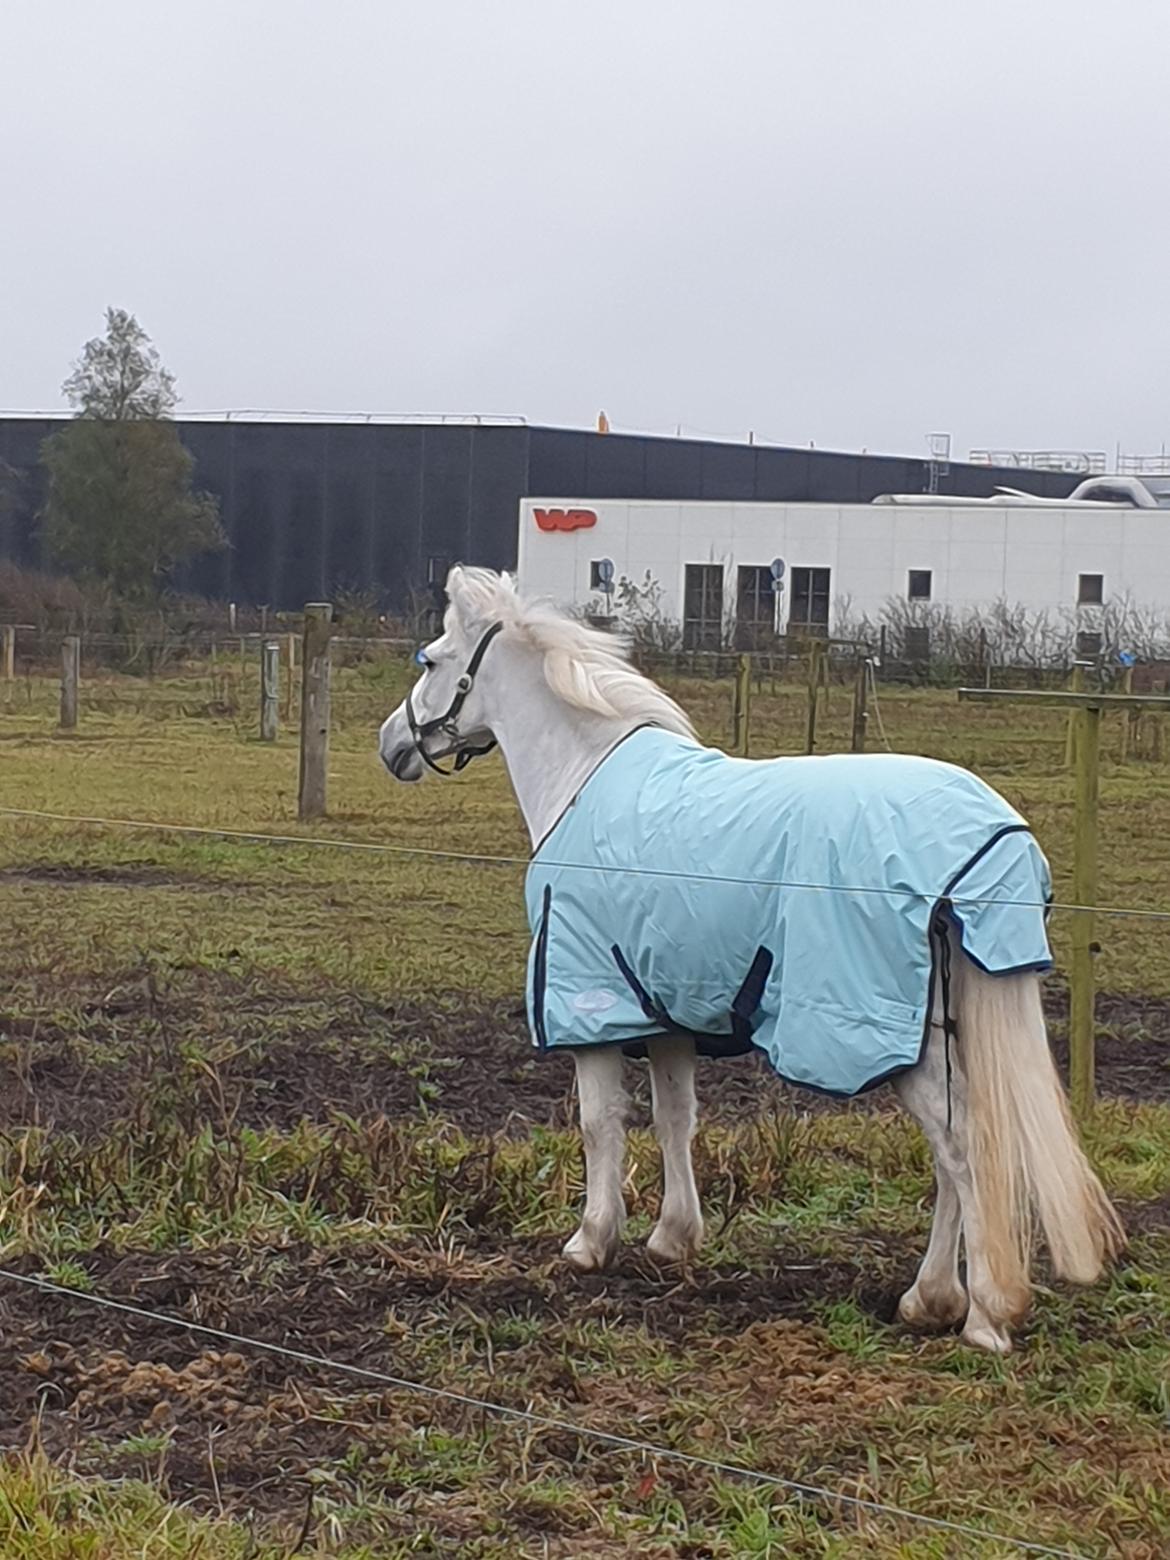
(420, 658)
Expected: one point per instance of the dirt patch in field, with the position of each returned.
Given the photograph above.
(109, 1388)
(337, 1302)
(1133, 1041)
(263, 1055)
(1146, 1218)
(239, 1053)
(244, 1053)
(138, 876)
(229, 1427)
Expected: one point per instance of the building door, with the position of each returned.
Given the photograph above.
(703, 606)
(808, 607)
(755, 607)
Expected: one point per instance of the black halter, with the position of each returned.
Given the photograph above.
(445, 724)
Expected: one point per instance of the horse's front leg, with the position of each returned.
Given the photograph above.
(602, 1100)
(679, 1232)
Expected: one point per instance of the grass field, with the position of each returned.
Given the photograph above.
(286, 1090)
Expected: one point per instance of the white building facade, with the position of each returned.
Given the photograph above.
(713, 565)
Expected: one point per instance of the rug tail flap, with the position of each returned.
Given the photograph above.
(999, 904)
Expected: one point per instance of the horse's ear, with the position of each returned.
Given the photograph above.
(474, 595)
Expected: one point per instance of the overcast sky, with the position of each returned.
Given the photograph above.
(851, 222)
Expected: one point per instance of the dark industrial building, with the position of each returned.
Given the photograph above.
(313, 507)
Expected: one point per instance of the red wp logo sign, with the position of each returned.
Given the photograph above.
(565, 519)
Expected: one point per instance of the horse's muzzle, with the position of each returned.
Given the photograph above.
(405, 763)
(397, 750)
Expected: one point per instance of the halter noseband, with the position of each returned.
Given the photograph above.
(444, 724)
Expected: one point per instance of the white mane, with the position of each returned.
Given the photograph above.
(587, 667)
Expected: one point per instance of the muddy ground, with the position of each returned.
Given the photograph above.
(273, 1058)
(97, 1379)
(233, 1429)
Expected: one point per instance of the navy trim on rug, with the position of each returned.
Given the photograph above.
(540, 972)
(647, 725)
(1008, 828)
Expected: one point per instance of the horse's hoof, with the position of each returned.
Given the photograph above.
(673, 1245)
(588, 1254)
(939, 1309)
(985, 1336)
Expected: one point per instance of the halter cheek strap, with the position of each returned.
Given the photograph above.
(445, 724)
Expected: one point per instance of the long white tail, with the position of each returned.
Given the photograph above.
(1026, 1159)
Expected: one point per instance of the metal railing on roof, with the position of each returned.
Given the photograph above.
(260, 415)
(1087, 463)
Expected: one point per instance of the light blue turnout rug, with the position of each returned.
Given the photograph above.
(795, 904)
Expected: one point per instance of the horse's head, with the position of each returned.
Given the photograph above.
(580, 684)
(446, 713)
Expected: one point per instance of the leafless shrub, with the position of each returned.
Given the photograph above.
(637, 610)
(1009, 634)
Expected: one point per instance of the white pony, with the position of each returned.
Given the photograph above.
(557, 696)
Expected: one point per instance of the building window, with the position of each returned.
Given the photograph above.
(703, 606)
(808, 611)
(755, 606)
(1090, 590)
(918, 585)
(1088, 646)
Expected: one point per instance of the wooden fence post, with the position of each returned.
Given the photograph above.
(741, 706)
(1081, 1029)
(269, 689)
(1076, 684)
(70, 680)
(815, 652)
(315, 710)
(10, 652)
(290, 666)
(860, 711)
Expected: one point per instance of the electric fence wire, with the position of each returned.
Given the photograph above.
(479, 858)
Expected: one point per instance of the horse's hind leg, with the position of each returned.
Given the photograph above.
(679, 1231)
(602, 1099)
(937, 1297)
(923, 1091)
